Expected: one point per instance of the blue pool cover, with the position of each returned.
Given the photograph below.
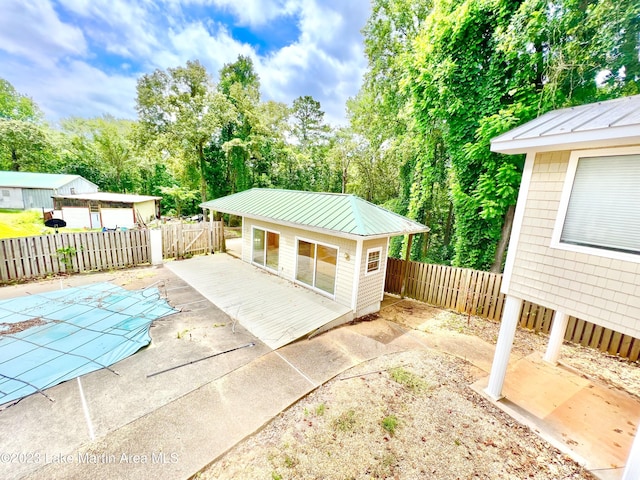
(48, 338)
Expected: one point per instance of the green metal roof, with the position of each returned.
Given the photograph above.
(35, 180)
(338, 214)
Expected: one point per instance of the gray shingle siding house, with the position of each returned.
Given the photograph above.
(575, 243)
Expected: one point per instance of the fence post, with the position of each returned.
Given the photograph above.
(405, 273)
(155, 237)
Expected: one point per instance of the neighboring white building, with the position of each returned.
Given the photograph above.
(27, 190)
(575, 243)
(106, 210)
(334, 244)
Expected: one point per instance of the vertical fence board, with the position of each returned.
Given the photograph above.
(33, 257)
(466, 290)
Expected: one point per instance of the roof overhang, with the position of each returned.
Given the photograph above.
(324, 231)
(622, 136)
(594, 125)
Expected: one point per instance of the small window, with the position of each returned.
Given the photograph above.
(373, 260)
(73, 191)
(6, 193)
(599, 210)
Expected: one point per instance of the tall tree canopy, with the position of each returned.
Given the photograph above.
(24, 141)
(182, 106)
(445, 76)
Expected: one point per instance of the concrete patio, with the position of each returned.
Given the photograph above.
(593, 423)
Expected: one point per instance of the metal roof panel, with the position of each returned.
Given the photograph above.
(36, 180)
(614, 121)
(340, 213)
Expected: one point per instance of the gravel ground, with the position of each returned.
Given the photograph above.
(404, 416)
(412, 416)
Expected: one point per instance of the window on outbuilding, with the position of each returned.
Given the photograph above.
(373, 260)
(602, 210)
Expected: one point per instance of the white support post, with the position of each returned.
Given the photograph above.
(558, 329)
(155, 236)
(632, 469)
(508, 325)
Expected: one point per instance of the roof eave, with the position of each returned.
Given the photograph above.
(613, 136)
(325, 231)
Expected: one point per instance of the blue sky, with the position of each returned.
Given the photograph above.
(83, 57)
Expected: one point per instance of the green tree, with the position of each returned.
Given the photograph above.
(102, 150)
(25, 146)
(24, 141)
(414, 166)
(313, 137)
(181, 198)
(480, 67)
(16, 106)
(182, 106)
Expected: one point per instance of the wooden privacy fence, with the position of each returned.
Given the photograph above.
(478, 293)
(33, 257)
(186, 239)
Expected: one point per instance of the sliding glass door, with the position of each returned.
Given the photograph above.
(316, 265)
(266, 248)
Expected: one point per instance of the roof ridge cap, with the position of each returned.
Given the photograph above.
(353, 199)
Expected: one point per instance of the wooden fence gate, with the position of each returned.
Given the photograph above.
(181, 240)
(478, 293)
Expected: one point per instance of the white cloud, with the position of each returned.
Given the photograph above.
(57, 56)
(252, 12)
(195, 41)
(121, 27)
(32, 30)
(78, 90)
(327, 62)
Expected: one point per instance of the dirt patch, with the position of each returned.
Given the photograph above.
(597, 366)
(17, 327)
(403, 416)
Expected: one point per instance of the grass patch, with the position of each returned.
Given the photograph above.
(290, 461)
(390, 423)
(19, 223)
(410, 380)
(182, 333)
(346, 421)
(320, 409)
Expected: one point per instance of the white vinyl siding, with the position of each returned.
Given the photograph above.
(371, 285)
(603, 211)
(287, 249)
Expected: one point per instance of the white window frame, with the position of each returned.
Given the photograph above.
(265, 230)
(366, 264)
(566, 196)
(311, 287)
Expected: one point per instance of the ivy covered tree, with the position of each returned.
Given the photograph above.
(480, 67)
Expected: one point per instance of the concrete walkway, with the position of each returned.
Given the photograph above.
(185, 435)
